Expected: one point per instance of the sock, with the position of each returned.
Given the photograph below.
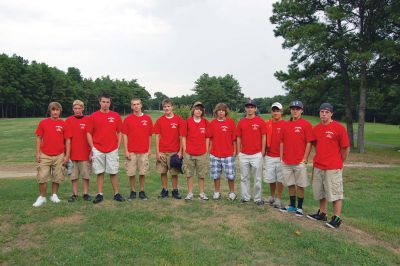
(100, 194)
(293, 201)
(300, 203)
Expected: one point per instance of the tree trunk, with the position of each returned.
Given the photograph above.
(362, 107)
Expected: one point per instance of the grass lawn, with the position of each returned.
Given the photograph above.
(174, 232)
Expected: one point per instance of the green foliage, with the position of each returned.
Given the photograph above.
(183, 111)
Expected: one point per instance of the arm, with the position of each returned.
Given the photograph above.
(67, 151)
(307, 152)
(263, 144)
(149, 151)
(127, 154)
(234, 148)
(90, 142)
(238, 145)
(344, 152)
(158, 155)
(38, 145)
(281, 151)
(207, 145)
(119, 136)
(183, 144)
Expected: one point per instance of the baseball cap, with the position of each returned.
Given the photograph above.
(176, 162)
(250, 102)
(326, 106)
(277, 105)
(198, 103)
(296, 103)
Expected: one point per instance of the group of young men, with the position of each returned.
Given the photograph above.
(275, 150)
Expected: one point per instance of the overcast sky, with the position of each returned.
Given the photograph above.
(166, 44)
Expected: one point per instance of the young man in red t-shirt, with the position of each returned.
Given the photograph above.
(223, 150)
(195, 143)
(52, 153)
(136, 131)
(332, 147)
(80, 151)
(104, 138)
(251, 139)
(296, 138)
(272, 161)
(167, 130)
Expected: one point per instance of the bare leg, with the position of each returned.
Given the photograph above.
(280, 190)
(272, 188)
(42, 189)
(217, 185)
(54, 188)
(323, 204)
(100, 182)
(174, 182)
(337, 207)
(164, 180)
(190, 184)
(141, 182)
(133, 182)
(300, 192)
(114, 182)
(231, 184)
(201, 184)
(292, 190)
(85, 186)
(75, 187)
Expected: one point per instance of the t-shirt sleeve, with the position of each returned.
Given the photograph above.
(39, 129)
(125, 128)
(207, 128)
(233, 125)
(210, 130)
(156, 128)
(239, 129)
(89, 126)
(67, 131)
(263, 127)
(344, 138)
(183, 129)
(309, 133)
(119, 123)
(282, 134)
(150, 126)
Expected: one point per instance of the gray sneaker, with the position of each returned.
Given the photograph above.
(277, 203)
(203, 196)
(189, 196)
(270, 200)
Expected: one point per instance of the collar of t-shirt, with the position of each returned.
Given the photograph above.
(197, 120)
(78, 116)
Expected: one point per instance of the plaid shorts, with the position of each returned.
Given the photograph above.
(228, 163)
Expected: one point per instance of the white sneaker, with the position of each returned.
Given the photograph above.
(189, 196)
(203, 196)
(40, 201)
(277, 203)
(270, 200)
(54, 198)
(232, 196)
(216, 196)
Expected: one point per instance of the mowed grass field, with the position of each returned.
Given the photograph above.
(175, 232)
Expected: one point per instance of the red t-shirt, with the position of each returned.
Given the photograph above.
(196, 134)
(222, 134)
(104, 128)
(295, 135)
(329, 140)
(274, 149)
(53, 133)
(169, 131)
(80, 148)
(138, 130)
(251, 131)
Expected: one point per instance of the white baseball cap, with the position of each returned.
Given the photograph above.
(277, 105)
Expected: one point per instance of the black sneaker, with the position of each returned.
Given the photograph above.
(87, 197)
(73, 198)
(99, 198)
(118, 197)
(335, 222)
(142, 195)
(132, 196)
(259, 202)
(319, 216)
(175, 194)
(164, 193)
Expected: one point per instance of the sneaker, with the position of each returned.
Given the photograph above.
(335, 222)
(87, 197)
(288, 209)
(99, 198)
(232, 196)
(54, 198)
(164, 193)
(270, 200)
(39, 201)
(277, 203)
(132, 196)
(189, 196)
(73, 198)
(259, 202)
(142, 195)
(319, 216)
(244, 200)
(203, 196)
(299, 212)
(175, 194)
(118, 197)
(216, 196)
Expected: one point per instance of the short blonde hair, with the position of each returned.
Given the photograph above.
(223, 107)
(78, 102)
(54, 105)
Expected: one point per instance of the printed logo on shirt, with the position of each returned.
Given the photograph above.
(202, 130)
(111, 119)
(255, 126)
(59, 128)
(297, 129)
(329, 134)
(174, 125)
(82, 126)
(224, 128)
(144, 122)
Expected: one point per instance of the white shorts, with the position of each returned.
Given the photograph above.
(105, 162)
(272, 171)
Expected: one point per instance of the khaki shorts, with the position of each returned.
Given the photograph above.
(81, 168)
(50, 168)
(328, 184)
(295, 174)
(105, 162)
(138, 162)
(195, 164)
(164, 166)
(272, 171)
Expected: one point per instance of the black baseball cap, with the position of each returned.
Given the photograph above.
(296, 103)
(326, 106)
(251, 102)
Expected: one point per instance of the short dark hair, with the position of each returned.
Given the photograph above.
(105, 95)
(167, 101)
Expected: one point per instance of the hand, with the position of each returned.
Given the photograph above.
(160, 157)
(90, 155)
(263, 153)
(180, 155)
(127, 155)
(38, 157)
(65, 161)
(149, 153)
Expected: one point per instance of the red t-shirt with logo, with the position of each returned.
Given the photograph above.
(295, 135)
(274, 149)
(251, 131)
(138, 129)
(196, 134)
(104, 128)
(169, 131)
(222, 134)
(53, 133)
(329, 140)
(80, 148)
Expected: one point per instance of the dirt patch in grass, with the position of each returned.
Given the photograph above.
(25, 239)
(11, 170)
(72, 219)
